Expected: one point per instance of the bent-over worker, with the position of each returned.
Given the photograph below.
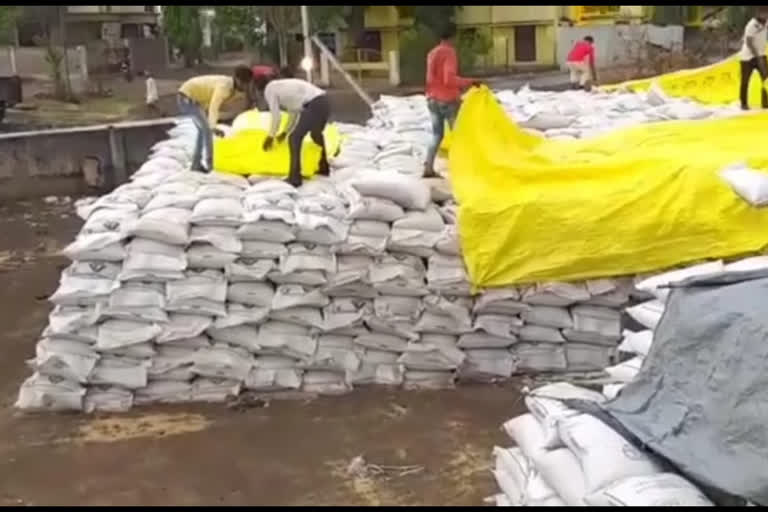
(581, 63)
(752, 57)
(308, 109)
(207, 93)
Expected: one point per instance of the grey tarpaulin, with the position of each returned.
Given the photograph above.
(701, 398)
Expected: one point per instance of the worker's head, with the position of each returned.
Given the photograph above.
(261, 81)
(762, 13)
(448, 32)
(285, 72)
(147, 73)
(590, 39)
(242, 76)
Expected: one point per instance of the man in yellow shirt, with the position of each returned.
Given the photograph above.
(208, 93)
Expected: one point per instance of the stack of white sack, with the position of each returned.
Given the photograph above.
(400, 131)
(545, 328)
(193, 287)
(566, 458)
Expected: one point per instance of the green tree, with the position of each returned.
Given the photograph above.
(182, 24)
(282, 19)
(8, 16)
(241, 22)
(54, 38)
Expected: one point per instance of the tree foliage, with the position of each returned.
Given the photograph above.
(434, 17)
(182, 25)
(282, 19)
(8, 16)
(330, 18)
(241, 22)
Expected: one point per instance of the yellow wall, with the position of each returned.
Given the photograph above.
(389, 42)
(606, 14)
(495, 21)
(545, 45)
(503, 14)
(382, 16)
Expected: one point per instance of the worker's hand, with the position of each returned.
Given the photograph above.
(281, 138)
(268, 142)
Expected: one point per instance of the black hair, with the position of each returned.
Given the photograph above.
(261, 82)
(243, 74)
(285, 72)
(589, 39)
(448, 31)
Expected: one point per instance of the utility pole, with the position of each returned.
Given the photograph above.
(307, 63)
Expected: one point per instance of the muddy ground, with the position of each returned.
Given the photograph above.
(289, 453)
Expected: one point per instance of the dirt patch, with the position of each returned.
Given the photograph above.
(154, 426)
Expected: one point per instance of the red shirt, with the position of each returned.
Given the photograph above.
(443, 82)
(263, 71)
(582, 51)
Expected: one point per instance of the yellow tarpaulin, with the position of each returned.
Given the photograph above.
(241, 152)
(636, 200)
(717, 84)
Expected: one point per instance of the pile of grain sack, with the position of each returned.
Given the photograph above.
(566, 458)
(557, 115)
(187, 287)
(192, 287)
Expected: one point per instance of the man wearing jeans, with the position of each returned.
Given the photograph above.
(207, 93)
(309, 111)
(443, 92)
(752, 57)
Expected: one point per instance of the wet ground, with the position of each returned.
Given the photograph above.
(288, 453)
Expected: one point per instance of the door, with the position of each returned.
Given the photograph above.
(525, 43)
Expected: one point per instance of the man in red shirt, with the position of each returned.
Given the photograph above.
(443, 91)
(581, 63)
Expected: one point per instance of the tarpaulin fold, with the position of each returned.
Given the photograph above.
(635, 200)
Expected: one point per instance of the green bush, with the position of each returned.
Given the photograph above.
(472, 49)
(415, 44)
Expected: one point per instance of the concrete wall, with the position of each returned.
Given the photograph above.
(31, 63)
(49, 162)
(617, 44)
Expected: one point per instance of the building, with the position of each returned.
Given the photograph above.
(521, 36)
(88, 23)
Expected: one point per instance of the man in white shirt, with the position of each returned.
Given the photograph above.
(309, 111)
(752, 56)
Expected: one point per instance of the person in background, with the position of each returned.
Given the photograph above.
(443, 91)
(309, 111)
(581, 63)
(152, 96)
(752, 57)
(207, 93)
(256, 100)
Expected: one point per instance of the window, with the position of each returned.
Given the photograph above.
(525, 43)
(369, 45)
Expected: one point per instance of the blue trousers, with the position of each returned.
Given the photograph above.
(202, 158)
(440, 112)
